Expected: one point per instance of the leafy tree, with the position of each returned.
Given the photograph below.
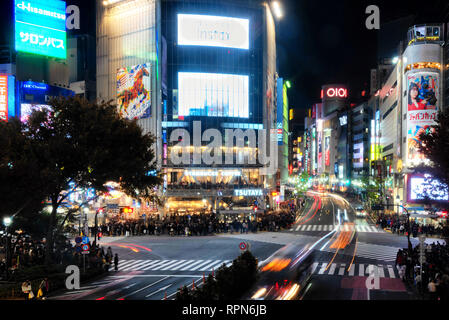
(76, 145)
(373, 189)
(303, 184)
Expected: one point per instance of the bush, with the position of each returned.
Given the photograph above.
(230, 283)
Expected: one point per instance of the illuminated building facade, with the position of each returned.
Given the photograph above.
(409, 102)
(218, 76)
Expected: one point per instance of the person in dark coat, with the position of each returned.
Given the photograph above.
(116, 262)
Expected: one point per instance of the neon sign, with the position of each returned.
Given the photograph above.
(335, 93)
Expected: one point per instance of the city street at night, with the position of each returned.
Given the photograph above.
(216, 158)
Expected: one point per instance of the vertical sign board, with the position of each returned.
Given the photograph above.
(3, 97)
(280, 109)
(40, 27)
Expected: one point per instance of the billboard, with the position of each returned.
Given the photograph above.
(213, 95)
(423, 187)
(422, 109)
(213, 31)
(3, 98)
(134, 91)
(40, 27)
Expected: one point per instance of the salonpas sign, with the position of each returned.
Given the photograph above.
(213, 31)
(248, 192)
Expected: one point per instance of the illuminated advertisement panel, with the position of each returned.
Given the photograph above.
(213, 31)
(422, 188)
(213, 95)
(134, 92)
(40, 27)
(4, 98)
(422, 110)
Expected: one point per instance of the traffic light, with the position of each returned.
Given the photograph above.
(99, 235)
(128, 210)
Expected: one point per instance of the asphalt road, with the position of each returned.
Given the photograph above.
(348, 249)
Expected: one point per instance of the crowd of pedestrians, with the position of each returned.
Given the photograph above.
(400, 227)
(208, 185)
(434, 282)
(198, 225)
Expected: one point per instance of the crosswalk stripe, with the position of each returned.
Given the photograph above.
(332, 268)
(391, 271)
(125, 262)
(309, 227)
(134, 265)
(314, 266)
(168, 265)
(381, 271)
(188, 265)
(323, 268)
(342, 269)
(352, 270)
(314, 227)
(160, 265)
(297, 228)
(209, 266)
(126, 265)
(374, 229)
(147, 264)
(200, 265)
(361, 270)
(156, 264)
(216, 266)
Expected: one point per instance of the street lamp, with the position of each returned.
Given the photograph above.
(7, 222)
(277, 9)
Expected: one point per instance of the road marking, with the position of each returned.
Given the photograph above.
(297, 228)
(361, 270)
(200, 265)
(165, 266)
(314, 227)
(133, 266)
(332, 269)
(156, 264)
(152, 284)
(342, 269)
(309, 227)
(126, 265)
(209, 266)
(391, 271)
(159, 290)
(323, 268)
(381, 271)
(146, 264)
(188, 265)
(314, 266)
(179, 263)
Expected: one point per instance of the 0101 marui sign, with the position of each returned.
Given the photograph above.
(134, 92)
(40, 27)
(4, 98)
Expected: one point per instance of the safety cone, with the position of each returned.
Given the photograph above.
(193, 284)
(213, 272)
(165, 295)
(204, 278)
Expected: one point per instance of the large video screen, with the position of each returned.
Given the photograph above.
(213, 95)
(213, 31)
(40, 27)
(134, 91)
(423, 187)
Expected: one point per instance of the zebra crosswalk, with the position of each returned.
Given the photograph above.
(356, 269)
(320, 227)
(171, 265)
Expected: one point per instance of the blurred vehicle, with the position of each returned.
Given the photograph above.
(360, 212)
(285, 274)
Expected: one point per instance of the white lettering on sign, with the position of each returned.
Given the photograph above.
(215, 31)
(248, 192)
(26, 6)
(337, 92)
(4, 98)
(41, 40)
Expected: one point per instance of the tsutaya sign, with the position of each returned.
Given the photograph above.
(248, 192)
(214, 31)
(40, 27)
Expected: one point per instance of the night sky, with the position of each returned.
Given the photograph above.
(318, 42)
